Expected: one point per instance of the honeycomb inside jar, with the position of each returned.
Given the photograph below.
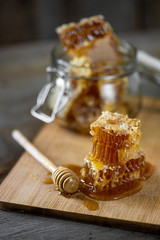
(89, 98)
(111, 176)
(94, 53)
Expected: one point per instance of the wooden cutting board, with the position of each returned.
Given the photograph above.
(24, 190)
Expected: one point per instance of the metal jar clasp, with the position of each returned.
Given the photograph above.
(59, 87)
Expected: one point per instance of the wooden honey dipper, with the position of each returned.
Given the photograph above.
(63, 178)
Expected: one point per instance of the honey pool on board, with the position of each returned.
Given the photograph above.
(87, 202)
(85, 188)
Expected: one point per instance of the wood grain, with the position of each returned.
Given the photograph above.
(23, 188)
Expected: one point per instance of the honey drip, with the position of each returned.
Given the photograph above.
(88, 197)
(120, 191)
(125, 189)
(48, 180)
(88, 203)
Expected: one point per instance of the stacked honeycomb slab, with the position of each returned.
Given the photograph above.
(115, 158)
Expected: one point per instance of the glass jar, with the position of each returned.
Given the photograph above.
(78, 95)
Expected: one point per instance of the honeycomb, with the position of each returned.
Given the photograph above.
(115, 138)
(83, 41)
(115, 159)
(86, 30)
(109, 176)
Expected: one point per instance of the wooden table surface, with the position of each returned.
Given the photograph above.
(22, 74)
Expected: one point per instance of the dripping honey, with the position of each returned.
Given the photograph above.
(87, 202)
(125, 189)
(48, 180)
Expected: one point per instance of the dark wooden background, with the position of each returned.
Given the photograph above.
(36, 19)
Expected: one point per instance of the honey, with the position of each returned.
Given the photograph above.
(87, 196)
(120, 171)
(87, 202)
(127, 188)
(112, 176)
(48, 180)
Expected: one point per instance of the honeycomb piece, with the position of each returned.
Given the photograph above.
(115, 138)
(104, 177)
(85, 107)
(91, 41)
(87, 30)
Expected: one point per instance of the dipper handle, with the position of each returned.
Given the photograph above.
(64, 179)
(28, 146)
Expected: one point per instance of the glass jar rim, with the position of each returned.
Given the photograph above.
(61, 59)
